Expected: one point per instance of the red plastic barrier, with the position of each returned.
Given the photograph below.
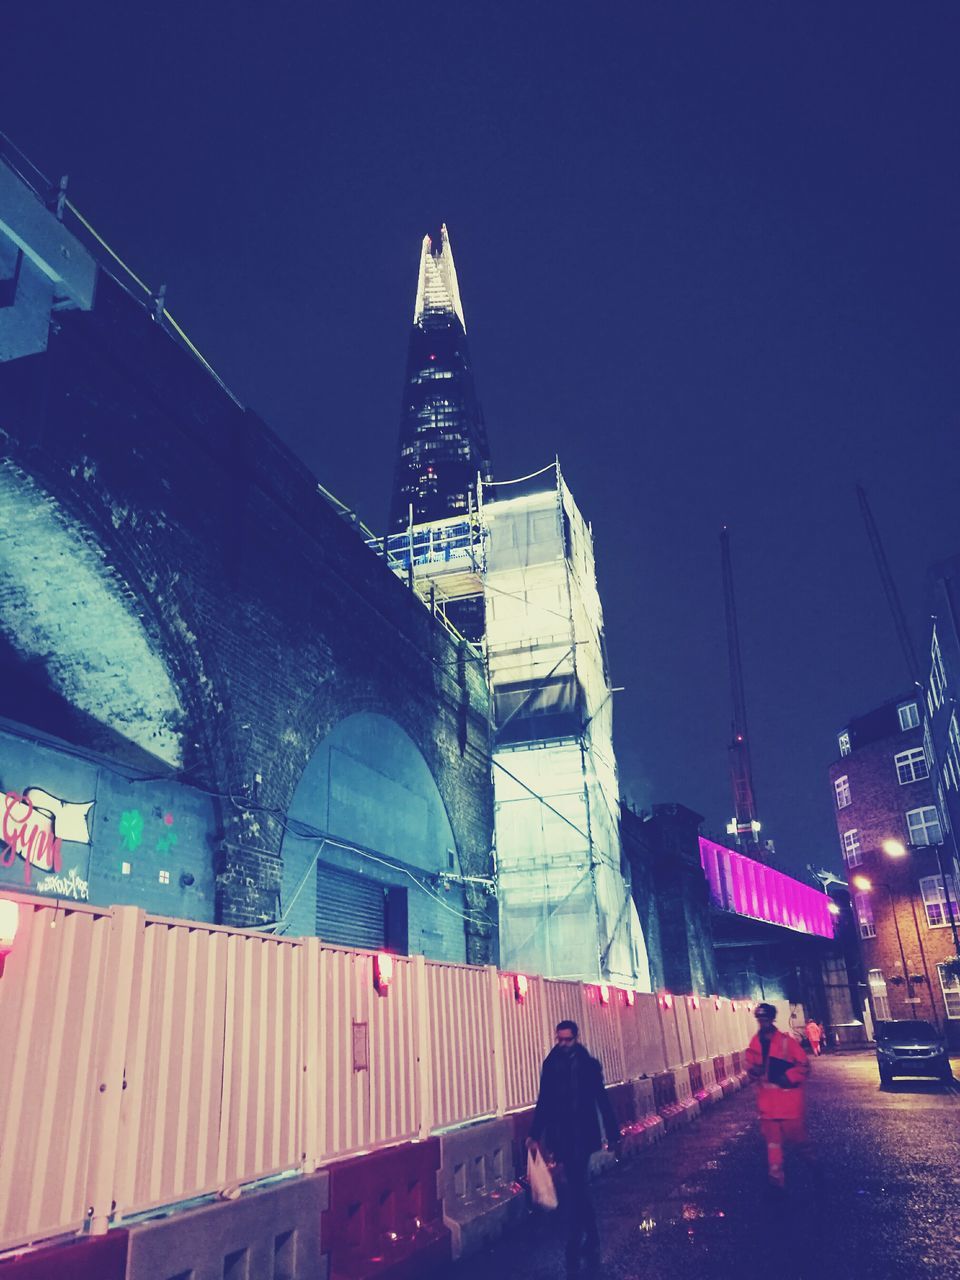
(92, 1258)
(720, 1068)
(736, 1064)
(385, 1218)
(696, 1078)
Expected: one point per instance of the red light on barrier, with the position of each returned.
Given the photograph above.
(666, 1000)
(694, 1002)
(604, 993)
(520, 987)
(382, 972)
(717, 1002)
(630, 997)
(733, 1005)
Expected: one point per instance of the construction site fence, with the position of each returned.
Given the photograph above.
(149, 1061)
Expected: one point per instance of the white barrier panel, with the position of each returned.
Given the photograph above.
(666, 1006)
(681, 1006)
(50, 1009)
(653, 1058)
(458, 1020)
(171, 1108)
(603, 1007)
(525, 1039)
(366, 1045)
(709, 1014)
(261, 1059)
(562, 1001)
(698, 1039)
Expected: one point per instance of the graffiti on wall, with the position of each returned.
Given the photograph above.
(33, 826)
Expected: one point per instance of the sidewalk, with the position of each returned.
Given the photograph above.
(697, 1205)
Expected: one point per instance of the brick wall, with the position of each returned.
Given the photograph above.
(270, 616)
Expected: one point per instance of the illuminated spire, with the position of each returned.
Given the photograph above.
(437, 288)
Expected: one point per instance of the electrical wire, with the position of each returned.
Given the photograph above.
(365, 853)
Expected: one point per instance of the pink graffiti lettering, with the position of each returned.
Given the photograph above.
(28, 833)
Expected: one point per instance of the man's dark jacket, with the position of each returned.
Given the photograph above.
(566, 1120)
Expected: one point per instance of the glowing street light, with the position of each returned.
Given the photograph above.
(862, 883)
(894, 848)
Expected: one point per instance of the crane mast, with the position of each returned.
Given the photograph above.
(745, 825)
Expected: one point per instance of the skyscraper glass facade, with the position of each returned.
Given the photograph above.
(443, 441)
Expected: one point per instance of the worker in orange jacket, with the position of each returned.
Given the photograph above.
(779, 1065)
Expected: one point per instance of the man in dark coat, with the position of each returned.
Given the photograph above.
(570, 1105)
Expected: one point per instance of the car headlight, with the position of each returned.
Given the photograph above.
(882, 1048)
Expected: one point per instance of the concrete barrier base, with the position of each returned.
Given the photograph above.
(274, 1231)
(476, 1184)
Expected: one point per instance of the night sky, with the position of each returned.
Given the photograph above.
(708, 253)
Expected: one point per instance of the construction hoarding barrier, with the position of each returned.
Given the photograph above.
(153, 1061)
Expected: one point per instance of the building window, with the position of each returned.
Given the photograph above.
(931, 890)
(878, 995)
(924, 826)
(909, 716)
(851, 848)
(844, 740)
(938, 681)
(842, 788)
(911, 765)
(164, 877)
(953, 748)
(951, 993)
(864, 910)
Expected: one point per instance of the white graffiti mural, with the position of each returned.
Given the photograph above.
(34, 825)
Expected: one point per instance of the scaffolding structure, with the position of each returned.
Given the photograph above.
(566, 908)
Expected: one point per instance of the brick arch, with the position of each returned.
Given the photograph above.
(77, 629)
(366, 783)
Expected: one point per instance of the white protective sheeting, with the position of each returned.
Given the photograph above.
(565, 908)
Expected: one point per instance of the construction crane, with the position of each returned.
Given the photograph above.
(745, 825)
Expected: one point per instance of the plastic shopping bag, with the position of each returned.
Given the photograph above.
(541, 1181)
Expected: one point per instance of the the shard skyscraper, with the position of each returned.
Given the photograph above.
(443, 441)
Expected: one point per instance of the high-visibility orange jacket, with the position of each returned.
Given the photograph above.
(787, 1063)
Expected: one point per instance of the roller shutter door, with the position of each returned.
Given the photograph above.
(351, 909)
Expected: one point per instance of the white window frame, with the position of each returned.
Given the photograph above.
(865, 921)
(879, 996)
(951, 993)
(909, 714)
(934, 902)
(843, 741)
(908, 765)
(924, 825)
(938, 679)
(852, 854)
(841, 788)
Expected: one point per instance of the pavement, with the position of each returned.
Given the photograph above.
(883, 1204)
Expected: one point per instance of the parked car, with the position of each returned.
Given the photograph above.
(911, 1047)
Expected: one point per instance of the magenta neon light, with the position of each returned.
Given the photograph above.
(749, 888)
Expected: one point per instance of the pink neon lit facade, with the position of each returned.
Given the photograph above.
(740, 884)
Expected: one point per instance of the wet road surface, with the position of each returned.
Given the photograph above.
(883, 1205)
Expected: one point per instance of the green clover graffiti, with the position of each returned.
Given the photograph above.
(131, 829)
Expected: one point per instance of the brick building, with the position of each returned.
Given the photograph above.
(891, 840)
(943, 683)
